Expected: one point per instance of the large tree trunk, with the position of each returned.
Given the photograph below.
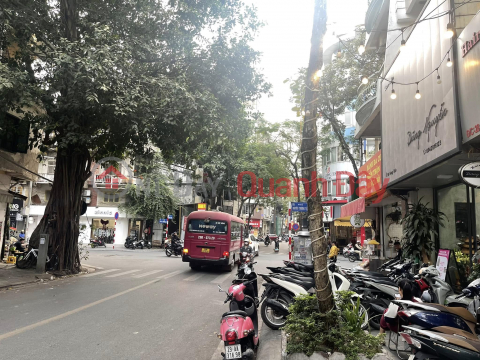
(309, 160)
(62, 213)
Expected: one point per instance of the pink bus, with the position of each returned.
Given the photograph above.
(212, 238)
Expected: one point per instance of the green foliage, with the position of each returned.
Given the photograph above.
(463, 263)
(153, 198)
(176, 74)
(419, 229)
(309, 331)
(475, 273)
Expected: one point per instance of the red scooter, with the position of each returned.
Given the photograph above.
(239, 326)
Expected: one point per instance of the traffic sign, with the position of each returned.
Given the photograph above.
(170, 217)
(163, 221)
(295, 227)
(116, 215)
(299, 206)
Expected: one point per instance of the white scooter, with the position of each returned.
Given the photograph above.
(280, 291)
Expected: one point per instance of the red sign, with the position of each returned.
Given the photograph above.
(472, 131)
(370, 175)
(470, 44)
(254, 223)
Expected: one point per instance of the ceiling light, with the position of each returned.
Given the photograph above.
(450, 31)
(393, 96)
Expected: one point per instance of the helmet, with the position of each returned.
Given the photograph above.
(426, 297)
(246, 242)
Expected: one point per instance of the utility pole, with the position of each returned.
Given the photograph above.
(309, 159)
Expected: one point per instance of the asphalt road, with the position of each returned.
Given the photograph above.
(137, 305)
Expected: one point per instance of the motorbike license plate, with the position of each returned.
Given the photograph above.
(204, 250)
(233, 352)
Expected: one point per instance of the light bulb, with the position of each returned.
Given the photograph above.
(403, 45)
(418, 96)
(364, 80)
(361, 49)
(393, 96)
(449, 62)
(450, 31)
(439, 81)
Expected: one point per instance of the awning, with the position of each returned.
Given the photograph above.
(5, 197)
(353, 208)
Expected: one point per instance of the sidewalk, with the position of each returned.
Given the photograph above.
(11, 276)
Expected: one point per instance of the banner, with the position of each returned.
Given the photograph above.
(442, 263)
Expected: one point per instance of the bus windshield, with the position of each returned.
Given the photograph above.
(207, 227)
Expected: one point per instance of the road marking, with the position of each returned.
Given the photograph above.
(68, 313)
(100, 272)
(95, 267)
(146, 274)
(123, 273)
(194, 277)
(220, 279)
(169, 275)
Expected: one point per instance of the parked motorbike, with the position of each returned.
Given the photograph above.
(281, 289)
(131, 242)
(97, 242)
(432, 345)
(173, 249)
(239, 326)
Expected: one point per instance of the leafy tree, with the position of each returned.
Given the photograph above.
(338, 87)
(103, 78)
(153, 197)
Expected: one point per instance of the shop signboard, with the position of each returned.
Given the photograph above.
(467, 60)
(255, 223)
(15, 207)
(470, 174)
(419, 133)
(442, 263)
(202, 207)
(327, 214)
(370, 175)
(356, 222)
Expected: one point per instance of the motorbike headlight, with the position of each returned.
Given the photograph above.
(248, 271)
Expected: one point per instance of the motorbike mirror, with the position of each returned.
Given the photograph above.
(220, 289)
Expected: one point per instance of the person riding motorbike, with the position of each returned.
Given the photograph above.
(277, 243)
(358, 249)
(267, 239)
(175, 241)
(245, 248)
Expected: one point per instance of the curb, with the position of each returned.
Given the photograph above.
(284, 345)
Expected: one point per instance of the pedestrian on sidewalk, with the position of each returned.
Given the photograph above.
(333, 252)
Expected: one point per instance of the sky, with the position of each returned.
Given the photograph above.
(285, 43)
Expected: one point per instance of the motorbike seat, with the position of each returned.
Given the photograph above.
(235, 312)
(459, 311)
(308, 267)
(307, 284)
(383, 282)
(452, 331)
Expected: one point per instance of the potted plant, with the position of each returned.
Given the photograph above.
(420, 226)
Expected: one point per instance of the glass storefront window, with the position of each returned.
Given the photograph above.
(452, 201)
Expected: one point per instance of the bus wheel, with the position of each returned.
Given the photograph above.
(230, 267)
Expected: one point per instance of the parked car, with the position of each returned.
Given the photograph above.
(253, 244)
